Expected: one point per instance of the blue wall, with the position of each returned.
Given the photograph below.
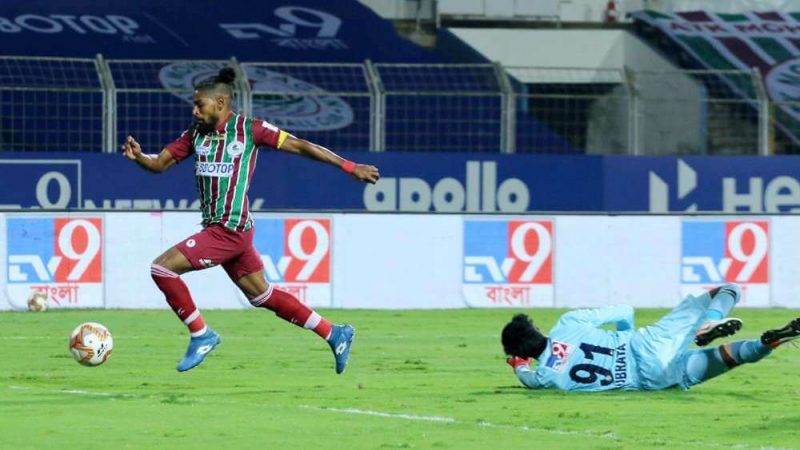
(442, 182)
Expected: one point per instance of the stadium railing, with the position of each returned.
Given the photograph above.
(71, 104)
(49, 103)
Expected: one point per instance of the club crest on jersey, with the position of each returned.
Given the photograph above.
(559, 355)
(235, 149)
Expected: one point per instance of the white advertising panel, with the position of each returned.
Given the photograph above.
(617, 260)
(59, 257)
(410, 261)
(642, 262)
(297, 256)
(139, 238)
(397, 261)
(719, 251)
(784, 261)
(508, 263)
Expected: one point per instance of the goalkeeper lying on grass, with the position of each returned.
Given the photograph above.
(579, 356)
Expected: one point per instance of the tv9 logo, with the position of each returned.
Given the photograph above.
(60, 250)
(297, 256)
(508, 263)
(61, 258)
(718, 252)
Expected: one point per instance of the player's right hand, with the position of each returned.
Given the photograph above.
(366, 173)
(516, 361)
(131, 149)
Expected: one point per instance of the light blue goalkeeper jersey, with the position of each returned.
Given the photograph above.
(580, 356)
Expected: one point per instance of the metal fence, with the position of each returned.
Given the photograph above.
(69, 104)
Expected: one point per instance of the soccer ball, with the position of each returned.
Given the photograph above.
(91, 344)
(37, 301)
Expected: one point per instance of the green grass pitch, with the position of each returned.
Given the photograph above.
(417, 379)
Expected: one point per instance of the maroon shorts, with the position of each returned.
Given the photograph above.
(217, 245)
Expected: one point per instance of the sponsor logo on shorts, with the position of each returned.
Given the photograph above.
(214, 169)
(205, 262)
(190, 243)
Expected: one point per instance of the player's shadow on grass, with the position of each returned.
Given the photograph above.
(521, 390)
(554, 393)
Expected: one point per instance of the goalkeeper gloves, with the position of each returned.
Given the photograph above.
(516, 361)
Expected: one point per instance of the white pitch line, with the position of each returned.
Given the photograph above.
(525, 428)
(446, 419)
(73, 392)
(367, 412)
(82, 392)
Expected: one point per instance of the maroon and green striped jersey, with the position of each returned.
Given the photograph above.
(225, 160)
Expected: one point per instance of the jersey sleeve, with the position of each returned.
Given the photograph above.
(527, 377)
(182, 147)
(621, 315)
(266, 134)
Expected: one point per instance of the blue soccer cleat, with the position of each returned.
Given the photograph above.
(341, 340)
(199, 348)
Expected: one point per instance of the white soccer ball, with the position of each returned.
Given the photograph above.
(91, 344)
(37, 302)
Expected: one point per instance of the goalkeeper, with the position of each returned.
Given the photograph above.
(579, 356)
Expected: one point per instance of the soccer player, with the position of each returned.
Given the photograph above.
(224, 146)
(579, 356)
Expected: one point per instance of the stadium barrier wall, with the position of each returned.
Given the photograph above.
(417, 182)
(405, 261)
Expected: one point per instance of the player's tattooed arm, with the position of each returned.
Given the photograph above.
(361, 172)
(152, 163)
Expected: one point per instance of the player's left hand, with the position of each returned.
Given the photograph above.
(516, 361)
(366, 173)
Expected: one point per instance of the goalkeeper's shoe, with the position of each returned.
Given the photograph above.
(340, 340)
(716, 329)
(199, 348)
(780, 336)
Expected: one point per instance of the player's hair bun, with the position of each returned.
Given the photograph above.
(226, 75)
